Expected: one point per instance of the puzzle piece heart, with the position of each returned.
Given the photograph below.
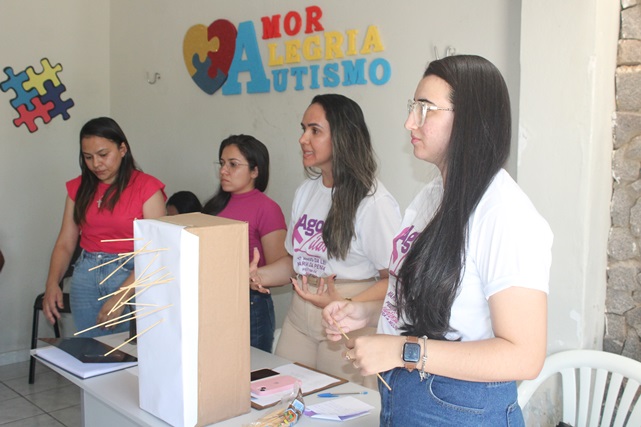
(208, 53)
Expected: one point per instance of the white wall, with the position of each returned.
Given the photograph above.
(34, 167)
(568, 57)
(177, 128)
(564, 74)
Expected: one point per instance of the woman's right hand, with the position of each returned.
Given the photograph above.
(255, 281)
(342, 317)
(51, 302)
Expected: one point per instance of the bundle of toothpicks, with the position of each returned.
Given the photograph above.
(129, 292)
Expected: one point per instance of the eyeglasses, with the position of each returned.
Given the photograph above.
(231, 166)
(420, 109)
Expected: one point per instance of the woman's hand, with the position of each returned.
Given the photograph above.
(325, 293)
(52, 302)
(105, 315)
(372, 354)
(342, 317)
(255, 281)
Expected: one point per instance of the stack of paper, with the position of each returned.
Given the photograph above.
(70, 364)
(341, 409)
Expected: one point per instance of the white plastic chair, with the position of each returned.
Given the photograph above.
(605, 384)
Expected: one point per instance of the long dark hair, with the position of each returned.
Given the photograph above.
(103, 127)
(257, 157)
(479, 146)
(353, 170)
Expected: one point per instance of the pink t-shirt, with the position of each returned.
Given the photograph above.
(262, 214)
(103, 224)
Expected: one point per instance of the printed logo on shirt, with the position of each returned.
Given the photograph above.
(310, 249)
(388, 312)
(400, 247)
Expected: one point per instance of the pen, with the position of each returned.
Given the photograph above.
(340, 394)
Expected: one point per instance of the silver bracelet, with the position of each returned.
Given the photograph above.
(422, 372)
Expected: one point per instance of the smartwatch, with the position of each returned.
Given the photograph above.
(411, 353)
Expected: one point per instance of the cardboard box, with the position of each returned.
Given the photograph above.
(194, 357)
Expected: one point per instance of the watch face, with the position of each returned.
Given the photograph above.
(411, 352)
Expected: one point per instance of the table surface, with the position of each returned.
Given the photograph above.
(119, 390)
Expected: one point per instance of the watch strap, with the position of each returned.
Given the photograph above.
(410, 366)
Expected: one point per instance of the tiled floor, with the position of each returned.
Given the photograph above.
(51, 401)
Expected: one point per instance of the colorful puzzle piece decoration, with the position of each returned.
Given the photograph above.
(38, 95)
(208, 53)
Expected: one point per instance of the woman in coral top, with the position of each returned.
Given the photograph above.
(101, 205)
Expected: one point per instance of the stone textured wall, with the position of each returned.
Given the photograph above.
(623, 298)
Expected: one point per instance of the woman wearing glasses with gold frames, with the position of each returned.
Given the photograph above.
(244, 174)
(465, 313)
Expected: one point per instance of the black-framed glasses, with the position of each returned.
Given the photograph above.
(420, 109)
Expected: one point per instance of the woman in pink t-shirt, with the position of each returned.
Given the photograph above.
(244, 175)
(101, 205)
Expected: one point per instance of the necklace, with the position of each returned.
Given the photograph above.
(99, 202)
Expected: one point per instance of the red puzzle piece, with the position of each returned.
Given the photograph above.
(28, 118)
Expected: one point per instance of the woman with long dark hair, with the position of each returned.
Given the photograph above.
(340, 234)
(465, 312)
(244, 175)
(101, 205)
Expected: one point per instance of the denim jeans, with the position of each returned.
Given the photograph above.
(86, 289)
(262, 320)
(441, 401)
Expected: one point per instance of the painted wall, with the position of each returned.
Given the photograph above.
(568, 58)
(35, 166)
(178, 127)
(174, 128)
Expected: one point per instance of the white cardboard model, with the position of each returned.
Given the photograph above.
(194, 365)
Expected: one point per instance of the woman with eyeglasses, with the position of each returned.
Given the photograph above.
(340, 235)
(244, 175)
(465, 313)
(101, 206)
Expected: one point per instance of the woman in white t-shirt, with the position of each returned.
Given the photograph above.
(340, 235)
(465, 313)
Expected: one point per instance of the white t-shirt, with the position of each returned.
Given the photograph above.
(509, 244)
(377, 219)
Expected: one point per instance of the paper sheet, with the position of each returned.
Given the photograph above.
(70, 364)
(312, 381)
(341, 409)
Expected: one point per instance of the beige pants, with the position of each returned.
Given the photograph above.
(303, 338)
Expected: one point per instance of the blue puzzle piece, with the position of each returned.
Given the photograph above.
(15, 81)
(52, 94)
(202, 79)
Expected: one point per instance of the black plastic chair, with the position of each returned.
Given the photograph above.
(37, 308)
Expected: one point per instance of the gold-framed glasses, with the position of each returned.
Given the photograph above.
(420, 109)
(231, 165)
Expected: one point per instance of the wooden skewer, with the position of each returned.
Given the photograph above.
(140, 316)
(121, 265)
(118, 258)
(148, 251)
(119, 303)
(147, 267)
(107, 321)
(347, 338)
(137, 284)
(139, 304)
(108, 262)
(121, 240)
(132, 338)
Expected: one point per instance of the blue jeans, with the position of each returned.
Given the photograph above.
(441, 401)
(262, 320)
(86, 289)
